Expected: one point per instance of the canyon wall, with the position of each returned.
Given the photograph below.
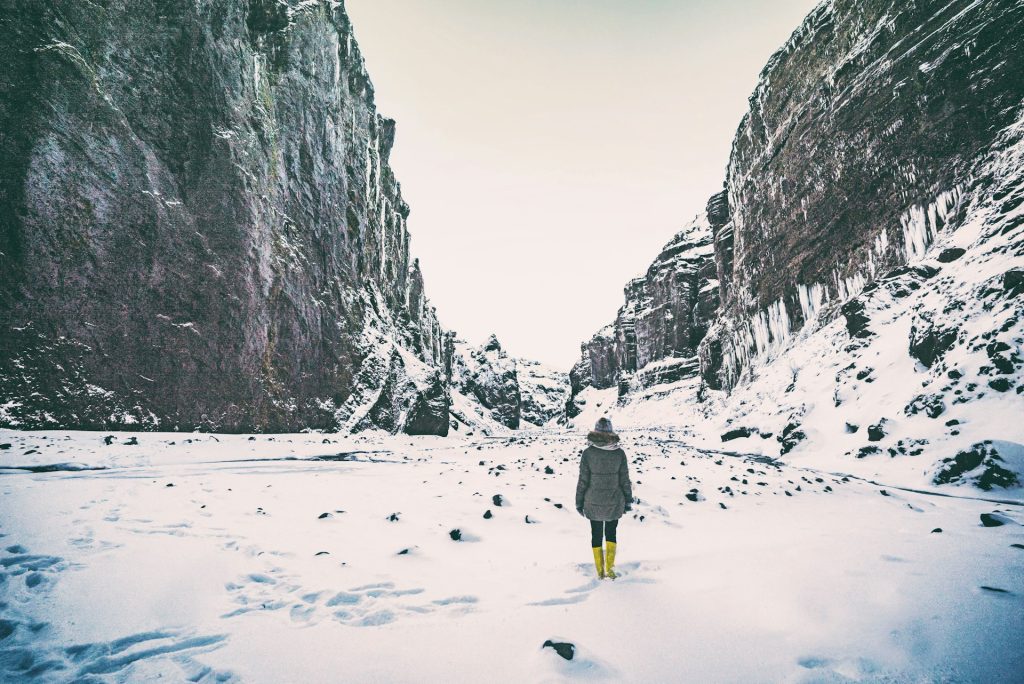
(866, 134)
(200, 228)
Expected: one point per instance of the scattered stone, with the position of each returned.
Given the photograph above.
(694, 495)
(738, 433)
(950, 254)
(856, 320)
(134, 441)
(323, 515)
(109, 439)
(488, 515)
(930, 404)
(1017, 546)
(169, 484)
(497, 500)
(883, 492)
(456, 534)
(528, 521)
(5, 446)
(322, 553)
(999, 384)
(928, 341)
(868, 451)
(393, 517)
(996, 590)
(404, 552)
(994, 520)
(790, 437)
(937, 530)
(851, 428)
(1013, 281)
(548, 470)
(876, 432)
(562, 648)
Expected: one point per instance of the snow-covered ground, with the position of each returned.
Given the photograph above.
(322, 558)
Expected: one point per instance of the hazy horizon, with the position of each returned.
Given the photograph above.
(549, 148)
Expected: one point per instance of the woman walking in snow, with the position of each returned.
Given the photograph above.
(603, 492)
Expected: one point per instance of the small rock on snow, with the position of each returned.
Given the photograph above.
(562, 648)
(994, 520)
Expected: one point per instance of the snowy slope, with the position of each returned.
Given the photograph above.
(216, 558)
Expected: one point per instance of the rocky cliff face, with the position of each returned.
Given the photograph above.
(515, 393)
(200, 228)
(667, 312)
(865, 134)
(869, 253)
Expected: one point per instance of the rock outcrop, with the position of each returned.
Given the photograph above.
(516, 393)
(667, 312)
(200, 228)
(490, 376)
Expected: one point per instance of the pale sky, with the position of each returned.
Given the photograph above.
(550, 148)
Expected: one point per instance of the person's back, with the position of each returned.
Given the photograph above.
(603, 492)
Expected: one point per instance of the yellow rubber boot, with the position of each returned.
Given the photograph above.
(599, 562)
(609, 563)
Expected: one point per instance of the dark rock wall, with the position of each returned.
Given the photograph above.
(200, 228)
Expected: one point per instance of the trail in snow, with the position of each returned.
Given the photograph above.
(285, 558)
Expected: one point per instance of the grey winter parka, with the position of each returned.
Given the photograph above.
(603, 487)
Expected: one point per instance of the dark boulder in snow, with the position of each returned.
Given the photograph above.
(790, 437)
(456, 534)
(1000, 384)
(1013, 281)
(738, 433)
(877, 432)
(562, 648)
(981, 465)
(929, 404)
(856, 319)
(865, 451)
(930, 341)
(994, 520)
(1003, 357)
(950, 254)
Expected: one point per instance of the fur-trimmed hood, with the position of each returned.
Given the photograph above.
(603, 440)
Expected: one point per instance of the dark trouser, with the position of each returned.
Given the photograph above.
(599, 528)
